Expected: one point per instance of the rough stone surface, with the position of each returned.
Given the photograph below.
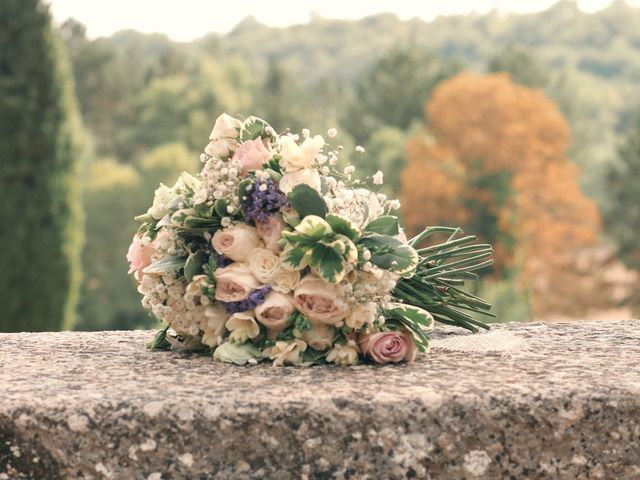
(523, 401)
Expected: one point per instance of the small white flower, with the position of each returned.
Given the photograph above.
(378, 178)
(366, 255)
(225, 222)
(394, 204)
(263, 187)
(360, 149)
(332, 132)
(305, 133)
(349, 170)
(230, 209)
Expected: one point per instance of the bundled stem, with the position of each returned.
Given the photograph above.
(442, 270)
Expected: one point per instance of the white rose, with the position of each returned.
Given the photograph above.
(284, 280)
(307, 176)
(270, 231)
(223, 137)
(297, 157)
(235, 282)
(242, 326)
(320, 337)
(362, 314)
(264, 264)
(319, 301)
(213, 325)
(236, 242)
(344, 354)
(162, 198)
(274, 312)
(286, 353)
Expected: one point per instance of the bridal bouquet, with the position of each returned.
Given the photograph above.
(275, 252)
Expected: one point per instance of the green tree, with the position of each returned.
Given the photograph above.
(521, 65)
(622, 218)
(114, 194)
(393, 92)
(40, 156)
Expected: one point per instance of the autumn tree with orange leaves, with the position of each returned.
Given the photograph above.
(493, 159)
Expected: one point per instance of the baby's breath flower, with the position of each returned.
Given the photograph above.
(360, 149)
(332, 132)
(305, 133)
(378, 178)
(348, 170)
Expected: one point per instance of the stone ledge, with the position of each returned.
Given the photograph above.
(522, 401)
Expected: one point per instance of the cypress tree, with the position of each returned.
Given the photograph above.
(40, 211)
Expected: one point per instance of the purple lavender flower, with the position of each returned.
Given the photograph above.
(254, 299)
(264, 201)
(222, 261)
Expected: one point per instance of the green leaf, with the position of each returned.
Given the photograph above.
(159, 341)
(384, 225)
(313, 227)
(243, 189)
(307, 201)
(343, 226)
(391, 254)
(297, 258)
(220, 206)
(203, 210)
(240, 354)
(167, 264)
(193, 265)
(252, 128)
(327, 263)
(145, 217)
(411, 313)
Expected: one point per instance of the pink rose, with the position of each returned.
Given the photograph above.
(319, 301)
(139, 256)
(388, 347)
(252, 154)
(271, 231)
(234, 283)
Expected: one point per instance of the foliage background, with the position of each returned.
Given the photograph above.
(149, 104)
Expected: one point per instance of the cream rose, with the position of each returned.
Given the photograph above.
(307, 176)
(242, 326)
(251, 155)
(361, 314)
(236, 242)
(320, 337)
(346, 354)
(264, 264)
(284, 280)
(388, 347)
(235, 282)
(213, 325)
(286, 353)
(297, 157)
(271, 230)
(274, 312)
(223, 136)
(319, 301)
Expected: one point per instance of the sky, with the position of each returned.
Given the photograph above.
(185, 20)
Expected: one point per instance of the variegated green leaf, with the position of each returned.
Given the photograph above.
(343, 226)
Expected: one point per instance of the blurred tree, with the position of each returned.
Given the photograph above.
(521, 65)
(280, 100)
(40, 156)
(393, 91)
(114, 194)
(622, 218)
(496, 163)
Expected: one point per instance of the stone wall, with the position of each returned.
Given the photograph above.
(522, 401)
